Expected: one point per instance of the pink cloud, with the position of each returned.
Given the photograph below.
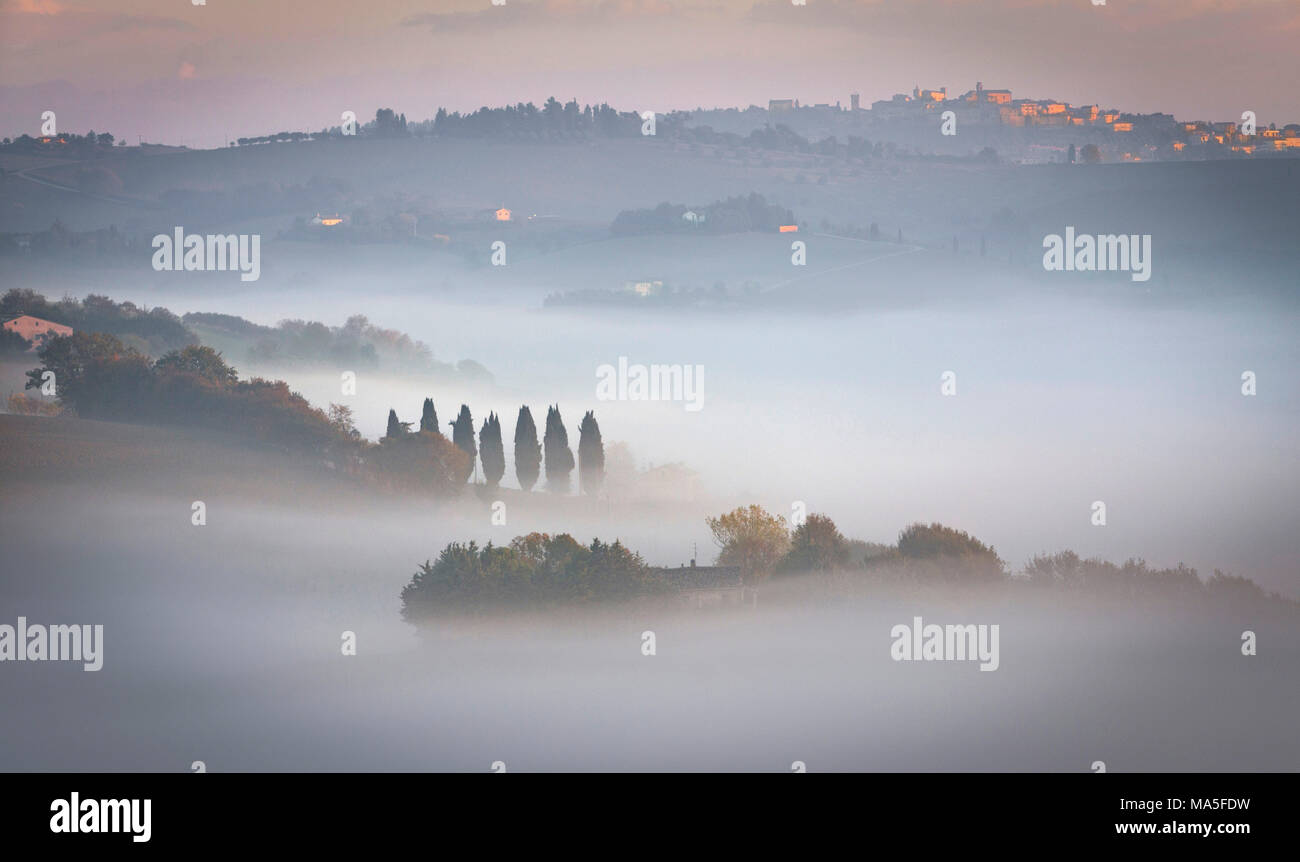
(37, 7)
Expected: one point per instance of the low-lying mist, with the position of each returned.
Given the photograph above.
(222, 644)
(1063, 397)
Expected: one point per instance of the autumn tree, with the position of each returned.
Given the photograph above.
(99, 377)
(419, 463)
(750, 537)
(340, 417)
(96, 375)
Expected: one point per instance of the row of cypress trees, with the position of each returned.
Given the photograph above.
(490, 449)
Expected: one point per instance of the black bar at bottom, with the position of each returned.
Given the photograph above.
(334, 812)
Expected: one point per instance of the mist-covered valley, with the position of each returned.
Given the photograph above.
(222, 645)
(929, 372)
(1060, 400)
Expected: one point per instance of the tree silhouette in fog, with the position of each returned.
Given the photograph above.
(948, 553)
(528, 452)
(492, 451)
(462, 434)
(816, 545)
(13, 344)
(559, 457)
(396, 429)
(203, 362)
(591, 455)
(429, 418)
(389, 124)
(534, 569)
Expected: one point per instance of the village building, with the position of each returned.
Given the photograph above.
(644, 288)
(707, 586)
(1054, 117)
(35, 329)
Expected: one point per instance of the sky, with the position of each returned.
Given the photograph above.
(169, 71)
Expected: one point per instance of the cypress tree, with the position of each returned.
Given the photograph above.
(559, 457)
(528, 452)
(429, 418)
(491, 451)
(591, 455)
(395, 429)
(462, 434)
